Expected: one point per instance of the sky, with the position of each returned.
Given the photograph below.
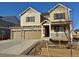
(15, 8)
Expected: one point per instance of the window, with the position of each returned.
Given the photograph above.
(59, 29)
(30, 19)
(2, 32)
(59, 16)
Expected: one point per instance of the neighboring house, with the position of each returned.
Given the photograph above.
(76, 31)
(76, 35)
(55, 24)
(5, 23)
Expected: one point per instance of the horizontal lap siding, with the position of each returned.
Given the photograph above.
(60, 36)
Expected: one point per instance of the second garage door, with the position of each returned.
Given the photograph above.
(33, 34)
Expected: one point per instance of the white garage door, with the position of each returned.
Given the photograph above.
(33, 34)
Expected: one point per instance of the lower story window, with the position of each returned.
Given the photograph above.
(59, 28)
(2, 32)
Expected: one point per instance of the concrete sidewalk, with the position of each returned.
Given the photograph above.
(16, 47)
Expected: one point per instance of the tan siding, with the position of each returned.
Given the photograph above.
(30, 13)
(59, 9)
(60, 36)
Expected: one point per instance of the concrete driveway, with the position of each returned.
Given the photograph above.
(16, 47)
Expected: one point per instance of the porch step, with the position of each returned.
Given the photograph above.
(46, 38)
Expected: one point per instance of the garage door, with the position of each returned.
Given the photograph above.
(33, 34)
(16, 34)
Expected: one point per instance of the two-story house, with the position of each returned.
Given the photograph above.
(55, 24)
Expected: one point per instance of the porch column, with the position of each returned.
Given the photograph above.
(50, 30)
(41, 31)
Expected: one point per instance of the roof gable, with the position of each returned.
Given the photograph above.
(59, 5)
(27, 10)
(46, 22)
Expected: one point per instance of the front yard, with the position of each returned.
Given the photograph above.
(47, 49)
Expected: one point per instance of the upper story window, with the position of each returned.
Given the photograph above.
(59, 16)
(30, 19)
(59, 29)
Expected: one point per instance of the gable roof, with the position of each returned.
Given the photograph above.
(45, 14)
(27, 10)
(59, 5)
(11, 19)
(76, 30)
(8, 21)
(45, 21)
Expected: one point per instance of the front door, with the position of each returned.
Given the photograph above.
(46, 31)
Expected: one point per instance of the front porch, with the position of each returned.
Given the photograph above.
(59, 30)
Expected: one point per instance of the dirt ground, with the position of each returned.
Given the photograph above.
(60, 52)
(55, 51)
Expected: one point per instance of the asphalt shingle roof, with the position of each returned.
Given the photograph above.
(8, 21)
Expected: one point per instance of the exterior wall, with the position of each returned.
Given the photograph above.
(30, 13)
(59, 9)
(60, 35)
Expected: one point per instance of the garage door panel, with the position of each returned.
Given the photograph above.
(16, 35)
(32, 34)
